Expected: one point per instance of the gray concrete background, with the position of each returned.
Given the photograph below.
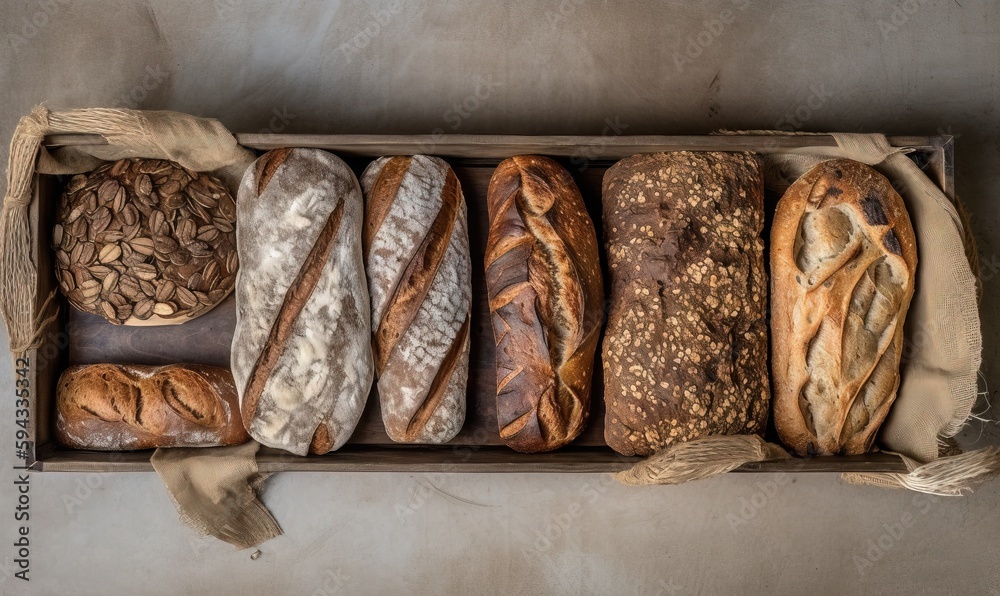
(545, 67)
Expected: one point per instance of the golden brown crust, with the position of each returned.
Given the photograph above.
(114, 407)
(381, 198)
(843, 259)
(546, 302)
(685, 349)
(268, 164)
(322, 441)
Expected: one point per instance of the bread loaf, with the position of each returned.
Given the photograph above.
(120, 407)
(843, 257)
(546, 299)
(301, 352)
(416, 248)
(685, 349)
(145, 242)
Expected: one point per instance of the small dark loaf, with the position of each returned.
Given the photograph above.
(416, 247)
(301, 352)
(843, 259)
(543, 277)
(685, 349)
(120, 407)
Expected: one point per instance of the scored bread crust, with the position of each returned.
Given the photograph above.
(301, 351)
(119, 407)
(843, 259)
(416, 249)
(543, 279)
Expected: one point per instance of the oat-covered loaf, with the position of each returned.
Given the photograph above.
(121, 407)
(543, 277)
(301, 352)
(416, 247)
(685, 348)
(843, 259)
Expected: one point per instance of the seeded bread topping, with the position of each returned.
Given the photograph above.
(685, 349)
(145, 241)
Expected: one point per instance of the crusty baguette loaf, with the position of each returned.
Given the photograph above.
(301, 351)
(543, 277)
(416, 248)
(685, 349)
(843, 258)
(121, 407)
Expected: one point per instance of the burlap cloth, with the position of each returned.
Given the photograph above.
(214, 489)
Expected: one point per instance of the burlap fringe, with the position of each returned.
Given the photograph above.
(215, 492)
(946, 476)
(701, 458)
(18, 274)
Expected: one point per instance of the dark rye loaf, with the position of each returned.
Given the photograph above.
(685, 350)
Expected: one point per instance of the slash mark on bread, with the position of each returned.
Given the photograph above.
(295, 300)
(436, 393)
(268, 165)
(381, 198)
(415, 282)
(508, 378)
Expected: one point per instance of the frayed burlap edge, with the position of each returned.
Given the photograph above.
(701, 458)
(946, 476)
(18, 274)
(215, 492)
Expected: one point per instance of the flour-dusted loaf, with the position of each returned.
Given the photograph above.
(416, 248)
(546, 299)
(301, 353)
(685, 349)
(843, 259)
(121, 407)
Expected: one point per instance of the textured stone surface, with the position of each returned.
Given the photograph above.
(584, 68)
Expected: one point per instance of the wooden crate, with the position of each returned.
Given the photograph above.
(79, 338)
